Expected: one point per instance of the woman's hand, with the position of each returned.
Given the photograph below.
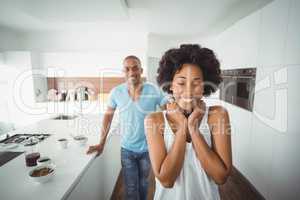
(176, 116)
(196, 116)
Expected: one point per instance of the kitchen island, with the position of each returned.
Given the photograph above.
(77, 175)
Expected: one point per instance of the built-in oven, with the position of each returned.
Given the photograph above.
(238, 87)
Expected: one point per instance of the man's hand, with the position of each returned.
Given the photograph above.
(96, 148)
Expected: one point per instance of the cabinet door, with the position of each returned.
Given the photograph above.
(292, 49)
(273, 33)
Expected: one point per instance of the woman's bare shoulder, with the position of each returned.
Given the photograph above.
(216, 112)
(155, 117)
(217, 109)
(154, 123)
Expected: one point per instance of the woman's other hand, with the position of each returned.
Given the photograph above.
(196, 116)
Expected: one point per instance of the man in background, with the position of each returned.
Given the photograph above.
(134, 99)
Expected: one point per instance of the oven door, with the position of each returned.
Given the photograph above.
(244, 92)
(228, 89)
(238, 90)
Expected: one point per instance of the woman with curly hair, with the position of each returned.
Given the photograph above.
(189, 143)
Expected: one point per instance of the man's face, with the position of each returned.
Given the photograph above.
(133, 71)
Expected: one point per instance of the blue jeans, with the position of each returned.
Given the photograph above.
(135, 169)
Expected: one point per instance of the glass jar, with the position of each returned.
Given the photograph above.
(31, 153)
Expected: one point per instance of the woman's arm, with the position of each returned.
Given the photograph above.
(216, 161)
(166, 165)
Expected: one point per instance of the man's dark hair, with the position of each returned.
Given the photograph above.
(132, 57)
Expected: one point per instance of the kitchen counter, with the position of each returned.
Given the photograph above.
(77, 175)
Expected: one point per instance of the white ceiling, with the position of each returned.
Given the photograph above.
(162, 17)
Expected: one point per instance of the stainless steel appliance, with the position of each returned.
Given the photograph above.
(14, 141)
(238, 87)
(24, 138)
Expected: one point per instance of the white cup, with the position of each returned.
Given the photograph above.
(81, 140)
(63, 142)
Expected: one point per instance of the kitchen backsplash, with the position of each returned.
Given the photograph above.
(67, 88)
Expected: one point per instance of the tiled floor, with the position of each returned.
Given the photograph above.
(237, 187)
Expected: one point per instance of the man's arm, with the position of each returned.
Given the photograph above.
(106, 122)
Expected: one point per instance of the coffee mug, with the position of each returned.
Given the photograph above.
(63, 142)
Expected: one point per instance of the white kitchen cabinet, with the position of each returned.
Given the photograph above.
(274, 161)
(285, 176)
(266, 116)
(286, 162)
(273, 33)
(265, 126)
(237, 47)
(260, 157)
(265, 96)
(228, 47)
(241, 124)
(265, 150)
(293, 98)
(100, 177)
(277, 97)
(249, 40)
(292, 48)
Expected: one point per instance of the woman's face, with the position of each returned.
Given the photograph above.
(187, 86)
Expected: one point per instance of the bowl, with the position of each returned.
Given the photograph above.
(42, 174)
(81, 140)
(44, 161)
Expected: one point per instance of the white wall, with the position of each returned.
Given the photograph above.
(75, 53)
(156, 47)
(9, 39)
(78, 53)
(153, 64)
(86, 53)
(89, 64)
(4, 112)
(39, 79)
(18, 92)
(264, 142)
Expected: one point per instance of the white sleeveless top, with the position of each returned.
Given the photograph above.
(192, 183)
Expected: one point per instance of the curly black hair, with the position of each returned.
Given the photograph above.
(174, 58)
